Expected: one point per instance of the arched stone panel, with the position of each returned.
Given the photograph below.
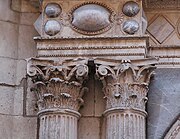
(174, 132)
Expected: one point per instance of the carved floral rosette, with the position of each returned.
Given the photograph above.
(125, 85)
(58, 86)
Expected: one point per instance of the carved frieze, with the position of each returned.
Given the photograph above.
(58, 86)
(162, 4)
(125, 84)
(90, 18)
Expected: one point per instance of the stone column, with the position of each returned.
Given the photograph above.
(125, 86)
(59, 89)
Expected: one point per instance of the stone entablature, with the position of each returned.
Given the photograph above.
(118, 48)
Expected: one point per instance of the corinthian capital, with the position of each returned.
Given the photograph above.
(58, 86)
(125, 83)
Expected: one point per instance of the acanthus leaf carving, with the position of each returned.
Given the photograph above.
(58, 86)
(125, 85)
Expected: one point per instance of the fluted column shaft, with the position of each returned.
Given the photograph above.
(125, 86)
(121, 124)
(59, 90)
(58, 125)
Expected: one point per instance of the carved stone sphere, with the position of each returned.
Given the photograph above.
(53, 10)
(130, 27)
(131, 8)
(91, 18)
(52, 27)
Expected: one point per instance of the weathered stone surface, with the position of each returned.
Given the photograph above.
(100, 102)
(6, 126)
(24, 127)
(52, 27)
(18, 101)
(163, 104)
(130, 27)
(125, 86)
(8, 71)
(83, 19)
(8, 39)
(174, 131)
(7, 100)
(20, 71)
(17, 43)
(59, 90)
(28, 18)
(88, 107)
(89, 127)
(26, 47)
(91, 18)
(6, 14)
(160, 29)
(53, 10)
(131, 8)
(162, 4)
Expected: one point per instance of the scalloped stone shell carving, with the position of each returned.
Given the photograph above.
(91, 18)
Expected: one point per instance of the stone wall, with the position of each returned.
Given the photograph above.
(16, 45)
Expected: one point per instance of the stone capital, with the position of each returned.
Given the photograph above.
(125, 83)
(59, 86)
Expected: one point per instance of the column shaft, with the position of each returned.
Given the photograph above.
(58, 126)
(125, 125)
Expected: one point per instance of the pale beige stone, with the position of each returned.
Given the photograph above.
(31, 100)
(24, 127)
(7, 100)
(26, 47)
(20, 71)
(28, 18)
(89, 127)
(18, 101)
(8, 71)
(6, 14)
(6, 126)
(8, 39)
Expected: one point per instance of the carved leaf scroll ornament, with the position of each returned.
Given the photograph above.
(124, 85)
(58, 86)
